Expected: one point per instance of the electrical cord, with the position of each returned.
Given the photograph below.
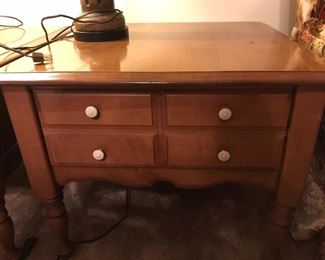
(20, 23)
(116, 11)
(37, 56)
(124, 216)
(54, 17)
(79, 19)
(40, 57)
(106, 232)
(17, 50)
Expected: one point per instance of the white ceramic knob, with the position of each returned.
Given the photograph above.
(224, 156)
(225, 113)
(91, 112)
(99, 155)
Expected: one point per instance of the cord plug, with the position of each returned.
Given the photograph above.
(40, 58)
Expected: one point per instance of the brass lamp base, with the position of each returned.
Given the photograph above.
(100, 21)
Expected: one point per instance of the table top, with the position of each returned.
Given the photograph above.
(236, 51)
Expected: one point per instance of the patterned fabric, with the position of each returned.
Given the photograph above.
(309, 29)
(309, 217)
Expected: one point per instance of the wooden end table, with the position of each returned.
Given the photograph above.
(194, 104)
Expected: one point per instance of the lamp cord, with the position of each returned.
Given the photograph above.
(106, 232)
(20, 23)
(79, 19)
(63, 34)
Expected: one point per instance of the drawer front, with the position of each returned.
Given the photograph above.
(100, 148)
(94, 109)
(225, 148)
(228, 110)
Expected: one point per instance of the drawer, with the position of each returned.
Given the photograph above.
(228, 110)
(225, 148)
(100, 147)
(94, 109)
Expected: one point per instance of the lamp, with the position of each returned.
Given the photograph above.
(100, 21)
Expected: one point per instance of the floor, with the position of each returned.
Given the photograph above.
(224, 222)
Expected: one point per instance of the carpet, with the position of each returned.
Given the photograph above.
(224, 222)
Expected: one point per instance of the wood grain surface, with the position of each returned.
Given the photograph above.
(184, 52)
(159, 94)
(199, 109)
(113, 108)
(248, 148)
(76, 146)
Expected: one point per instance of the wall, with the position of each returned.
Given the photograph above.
(277, 13)
(31, 11)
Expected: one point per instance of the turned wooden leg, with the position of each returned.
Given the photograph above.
(7, 238)
(302, 134)
(38, 167)
(281, 217)
(278, 227)
(58, 221)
